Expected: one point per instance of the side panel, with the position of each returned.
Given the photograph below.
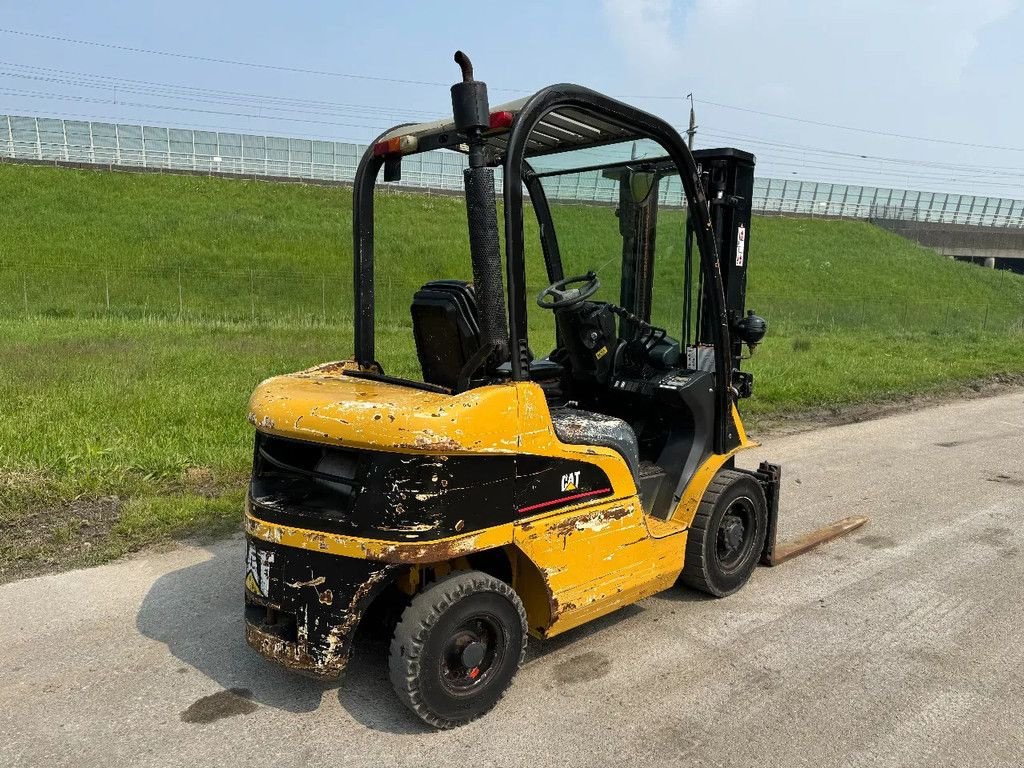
(598, 559)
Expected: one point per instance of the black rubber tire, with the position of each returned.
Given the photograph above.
(702, 568)
(425, 629)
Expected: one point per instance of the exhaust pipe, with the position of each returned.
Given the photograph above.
(471, 111)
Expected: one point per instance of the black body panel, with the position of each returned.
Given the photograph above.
(302, 608)
(543, 484)
(409, 497)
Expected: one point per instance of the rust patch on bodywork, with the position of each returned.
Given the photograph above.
(439, 551)
(592, 521)
(431, 441)
(328, 369)
(291, 655)
(376, 549)
(366, 589)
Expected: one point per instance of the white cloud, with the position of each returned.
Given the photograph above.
(644, 31)
(929, 41)
(919, 67)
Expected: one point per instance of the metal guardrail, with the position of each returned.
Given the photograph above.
(152, 147)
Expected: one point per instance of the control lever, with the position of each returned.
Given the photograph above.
(649, 336)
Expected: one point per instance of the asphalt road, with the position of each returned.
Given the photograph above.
(900, 645)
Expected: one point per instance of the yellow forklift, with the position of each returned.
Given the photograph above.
(505, 494)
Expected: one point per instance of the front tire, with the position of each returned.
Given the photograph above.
(727, 535)
(457, 647)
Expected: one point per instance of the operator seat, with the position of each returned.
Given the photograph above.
(578, 427)
(446, 327)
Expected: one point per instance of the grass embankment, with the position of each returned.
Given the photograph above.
(124, 422)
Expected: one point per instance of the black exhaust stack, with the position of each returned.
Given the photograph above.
(472, 117)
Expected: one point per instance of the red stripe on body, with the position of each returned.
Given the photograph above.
(523, 510)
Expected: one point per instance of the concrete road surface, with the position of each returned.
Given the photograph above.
(902, 645)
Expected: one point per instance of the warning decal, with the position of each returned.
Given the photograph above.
(257, 572)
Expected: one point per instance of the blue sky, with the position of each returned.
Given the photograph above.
(937, 70)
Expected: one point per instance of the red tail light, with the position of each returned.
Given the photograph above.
(501, 120)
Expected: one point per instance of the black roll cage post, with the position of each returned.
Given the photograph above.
(529, 115)
(548, 235)
(363, 187)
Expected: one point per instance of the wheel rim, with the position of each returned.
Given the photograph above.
(472, 653)
(735, 535)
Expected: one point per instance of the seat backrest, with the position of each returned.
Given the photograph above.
(446, 327)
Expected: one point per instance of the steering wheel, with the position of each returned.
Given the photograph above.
(562, 296)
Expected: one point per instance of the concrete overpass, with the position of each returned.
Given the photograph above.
(994, 247)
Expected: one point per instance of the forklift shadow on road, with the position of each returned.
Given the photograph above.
(202, 626)
(200, 623)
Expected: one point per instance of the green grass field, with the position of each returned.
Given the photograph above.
(139, 311)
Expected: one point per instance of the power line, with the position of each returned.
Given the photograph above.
(91, 80)
(296, 106)
(729, 135)
(888, 176)
(216, 60)
(884, 167)
(352, 111)
(293, 106)
(871, 131)
(597, 154)
(893, 179)
(374, 78)
(88, 100)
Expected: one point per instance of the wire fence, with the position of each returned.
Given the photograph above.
(178, 149)
(324, 298)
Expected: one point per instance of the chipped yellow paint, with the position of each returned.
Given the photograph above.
(595, 558)
(438, 551)
(598, 559)
(538, 438)
(569, 566)
(324, 405)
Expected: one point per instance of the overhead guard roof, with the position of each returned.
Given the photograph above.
(561, 130)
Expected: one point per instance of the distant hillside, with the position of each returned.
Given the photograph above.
(86, 242)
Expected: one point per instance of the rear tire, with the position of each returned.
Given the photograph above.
(727, 535)
(457, 647)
